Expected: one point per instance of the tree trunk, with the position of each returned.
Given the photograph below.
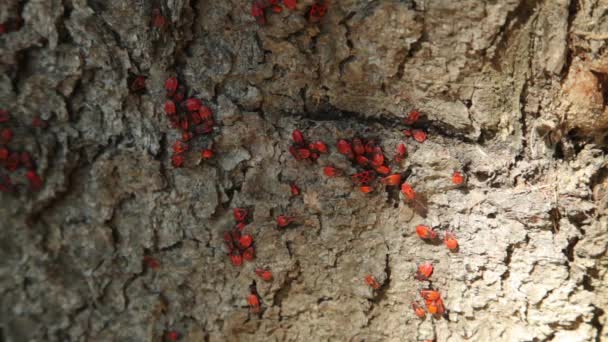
(121, 245)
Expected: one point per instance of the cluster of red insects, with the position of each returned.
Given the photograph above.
(259, 8)
(190, 117)
(13, 160)
(240, 246)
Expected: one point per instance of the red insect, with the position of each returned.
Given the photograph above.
(254, 302)
(240, 214)
(450, 241)
(258, 13)
(331, 171)
(372, 282)
(265, 274)
(12, 162)
(177, 161)
(345, 148)
(362, 160)
(187, 136)
(363, 177)
(358, 147)
(205, 113)
(179, 147)
(383, 170)
(419, 135)
(170, 108)
(407, 132)
(158, 20)
(4, 153)
(34, 180)
(412, 117)
(317, 11)
(419, 310)
(430, 294)
(366, 189)
(284, 221)
(240, 226)
(172, 335)
(207, 154)
(425, 232)
(4, 116)
(138, 84)
(249, 254)
(39, 123)
(179, 94)
(193, 104)
(290, 4)
(435, 307)
(26, 160)
(391, 180)
(320, 147)
(408, 191)
(246, 240)
(401, 151)
(171, 85)
(6, 135)
(378, 159)
(370, 146)
(457, 178)
(236, 259)
(424, 271)
(151, 262)
(295, 191)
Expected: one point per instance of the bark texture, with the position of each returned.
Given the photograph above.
(513, 93)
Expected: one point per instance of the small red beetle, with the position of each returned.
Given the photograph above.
(193, 104)
(6, 135)
(383, 170)
(430, 294)
(331, 171)
(177, 160)
(34, 179)
(172, 335)
(295, 191)
(254, 302)
(419, 310)
(362, 160)
(236, 259)
(345, 148)
(401, 151)
(284, 221)
(450, 241)
(412, 117)
(372, 282)
(457, 178)
(290, 4)
(171, 85)
(297, 136)
(240, 214)
(424, 271)
(207, 154)
(151, 262)
(391, 180)
(246, 240)
(249, 253)
(425, 232)
(366, 189)
(179, 147)
(358, 146)
(320, 146)
(265, 274)
(408, 191)
(419, 135)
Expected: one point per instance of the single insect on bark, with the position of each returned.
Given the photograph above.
(34, 180)
(358, 146)
(138, 84)
(331, 171)
(172, 335)
(236, 258)
(363, 177)
(457, 178)
(372, 282)
(205, 113)
(362, 160)
(284, 221)
(430, 294)
(383, 170)
(424, 271)
(240, 214)
(391, 180)
(265, 274)
(345, 148)
(151, 262)
(366, 189)
(171, 85)
(290, 4)
(320, 147)
(179, 147)
(401, 151)
(412, 117)
(177, 161)
(207, 154)
(418, 310)
(192, 104)
(378, 159)
(249, 253)
(158, 20)
(425, 232)
(450, 241)
(246, 240)
(254, 303)
(295, 191)
(419, 135)
(408, 191)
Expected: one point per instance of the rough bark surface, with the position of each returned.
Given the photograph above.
(513, 93)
